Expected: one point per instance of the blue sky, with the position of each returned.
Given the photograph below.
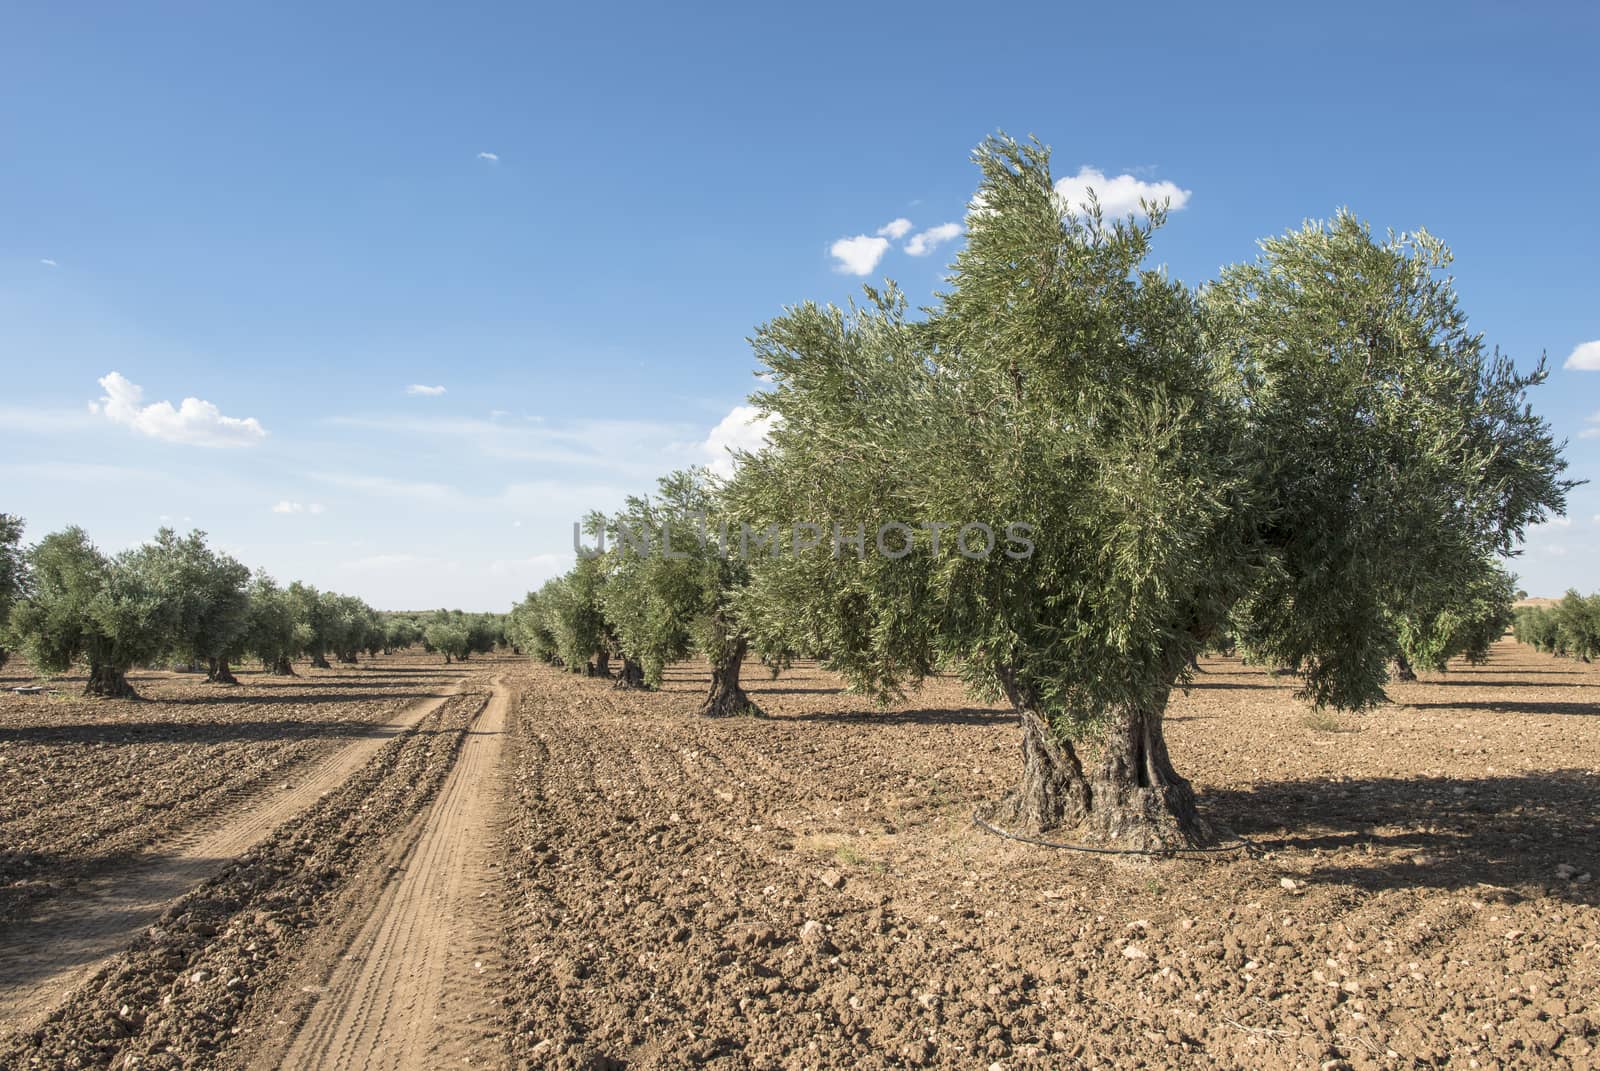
(287, 212)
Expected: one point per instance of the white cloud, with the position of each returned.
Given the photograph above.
(1119, 196)
(743, 429)
(492, 157)
(932, 238)
(895, 229)
(47, 262)
(423, 391)
(1592, 430)
(1585, 356)
(285, 506)
(859, 255)
(194, 422)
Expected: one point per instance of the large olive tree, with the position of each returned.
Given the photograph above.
(1299, 451)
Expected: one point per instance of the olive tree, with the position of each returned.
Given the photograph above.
(312, 617)
(656, 568)
(1074, 472)
(576, 619)
(13, 576)
(272, 633)
(528, 629)
(205, 596)
(449, 635)
(85, 607)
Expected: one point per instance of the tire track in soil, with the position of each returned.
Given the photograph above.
(45, 956)
(410, 990)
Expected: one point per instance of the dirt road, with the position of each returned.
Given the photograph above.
(45, 955)
(411, 990)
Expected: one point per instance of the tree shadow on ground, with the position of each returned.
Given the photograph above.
(1513, 706)
(757, 689)
(1441, 682)
(192, 732)
(938, 716)
(1510, 832)
(286, 696)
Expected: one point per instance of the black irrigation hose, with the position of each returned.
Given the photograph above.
(1239, 842)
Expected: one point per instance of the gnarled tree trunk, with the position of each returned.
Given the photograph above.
(282, 667)
(726, 696)
(1402, 669)
(217, 672)
(319, 660)
(1131, 798)
(602, 663)
(1137, 799)
(632, 675)
(108, 682)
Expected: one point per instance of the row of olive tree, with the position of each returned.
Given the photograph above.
(458, 635)
(66, 603)
(1569, 629)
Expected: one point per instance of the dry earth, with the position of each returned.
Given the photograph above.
(614, 882)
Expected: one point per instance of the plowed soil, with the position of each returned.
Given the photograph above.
(614, 882)
(809, 890)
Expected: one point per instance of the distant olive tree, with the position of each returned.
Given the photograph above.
(208, 606)
(656, 568)
(1301, 450)
(13, 577)
(312, 622)
(272, 634)
(448, 635)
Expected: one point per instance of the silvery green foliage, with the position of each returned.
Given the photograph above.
(1300, 451)
(272, 634)
(85, 606)
(204, 592)
(662, 571)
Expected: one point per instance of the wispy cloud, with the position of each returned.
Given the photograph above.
(1119, 195)
(1591, 428)
(1585, 357)
(47, 262)
(286, 506)
(192, 422)
(927, 241)
(492, 157)
(420, 390)
(895, 229)
(858, 255)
